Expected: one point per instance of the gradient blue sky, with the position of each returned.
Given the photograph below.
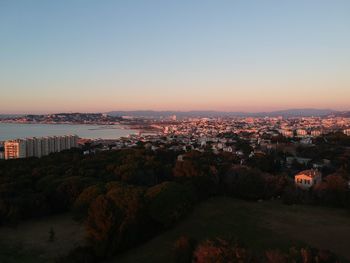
(71, 55)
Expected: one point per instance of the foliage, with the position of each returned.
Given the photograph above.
(169, 202)
(183, 249)
(221, 250)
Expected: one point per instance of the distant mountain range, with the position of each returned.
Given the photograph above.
(344, 114)
(308, 112)
(6, 116)
(210, 114)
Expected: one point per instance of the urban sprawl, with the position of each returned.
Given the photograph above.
(219, 135)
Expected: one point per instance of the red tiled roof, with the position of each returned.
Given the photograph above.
(312, 173)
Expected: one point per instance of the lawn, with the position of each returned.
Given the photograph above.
(260, 225)
(29, 241)
(10, 253)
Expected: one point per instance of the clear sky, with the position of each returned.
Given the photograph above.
(82, 55)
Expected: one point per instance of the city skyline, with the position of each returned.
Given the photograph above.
(85, 56)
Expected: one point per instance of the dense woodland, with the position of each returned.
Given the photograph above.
(125, 197)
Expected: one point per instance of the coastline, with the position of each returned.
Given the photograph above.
(16, 130)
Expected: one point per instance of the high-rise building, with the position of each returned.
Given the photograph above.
(38, 147)
(29, 147)
(63, 144)
(51, 144)
(44, 146)
(68, 141)
(57, 144)
(15, 149)
(75, 141)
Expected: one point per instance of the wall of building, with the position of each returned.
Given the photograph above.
(38, 147)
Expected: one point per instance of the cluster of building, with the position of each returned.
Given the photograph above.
(217, 134)
(288, 127)
(38, 147)
(221, 134)
(69, 118)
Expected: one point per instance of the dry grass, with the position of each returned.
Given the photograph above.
(30, 240)
(264, 225)
(320, 227)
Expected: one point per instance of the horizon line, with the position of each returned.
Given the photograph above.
(182, 111)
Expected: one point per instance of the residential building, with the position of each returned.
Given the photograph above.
(308, 178)
(38, 147)
(15, 149)
(29, 147)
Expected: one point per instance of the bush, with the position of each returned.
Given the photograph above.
(221, 251)
(183, 249)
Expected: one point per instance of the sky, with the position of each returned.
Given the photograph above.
(97, 56)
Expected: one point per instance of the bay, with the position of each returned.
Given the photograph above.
(10, 131)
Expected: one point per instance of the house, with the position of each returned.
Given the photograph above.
(180, 158)
(300, 160)
(228, 149)
(307, 141)
(308, 178)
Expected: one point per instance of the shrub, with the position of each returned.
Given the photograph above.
(183, 249)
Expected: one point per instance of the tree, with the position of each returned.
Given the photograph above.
(102, 224)
(116, 220)
(83, 201)
(168, 202)
(244, 182)
(333, 191)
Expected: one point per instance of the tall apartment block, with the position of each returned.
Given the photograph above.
(38, 147)
(15, 149)
(29, 147)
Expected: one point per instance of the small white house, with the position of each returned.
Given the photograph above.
(228, 149)
(308, 178)
(180, 158)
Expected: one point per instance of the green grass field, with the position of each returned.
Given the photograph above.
(29, 241)
(259, 225)
(17, 254)
(263, 225)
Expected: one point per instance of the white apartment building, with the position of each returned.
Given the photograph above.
(44, 146)
(51, 144)
(15, 149)
(29, 147)
(38, 147)
(57, 144)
